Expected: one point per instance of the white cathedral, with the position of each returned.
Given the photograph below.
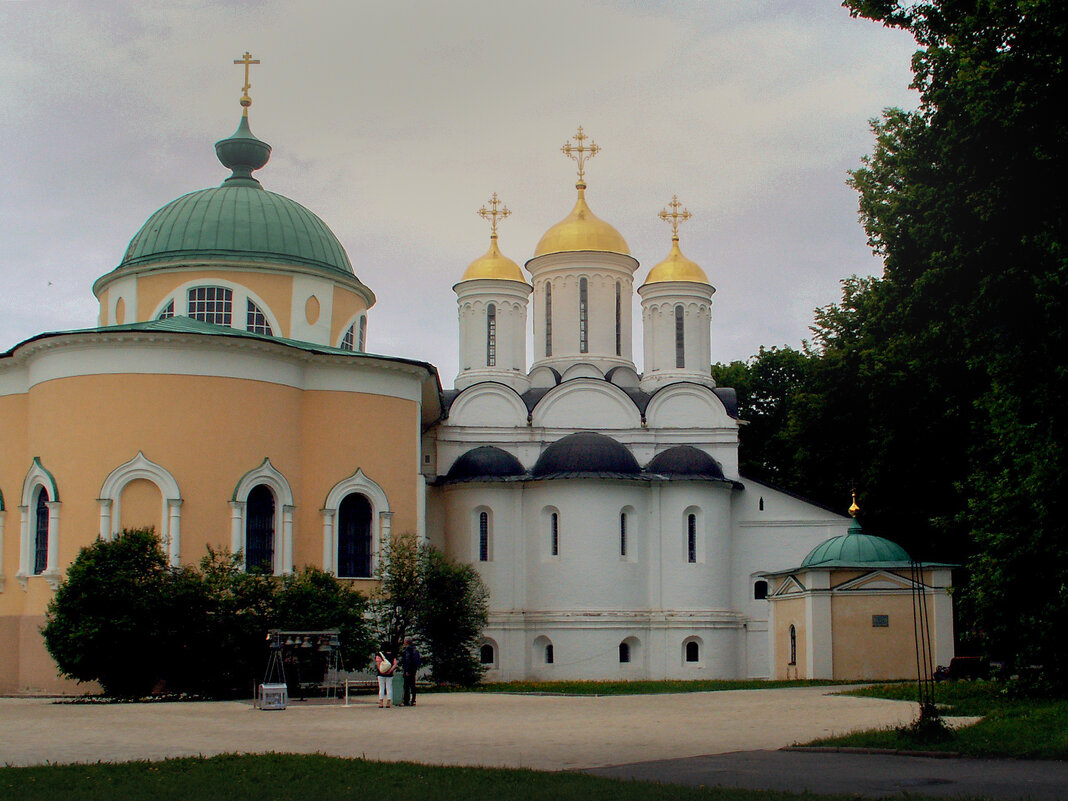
(602, 507)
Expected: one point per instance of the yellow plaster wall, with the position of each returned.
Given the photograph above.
(347, 304)
(861, 651)
(789, 612)
(275, 289)
(15, 461)
(141, 506)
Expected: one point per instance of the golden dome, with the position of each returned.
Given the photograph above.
(676, 267)
(493, 265)
(581, 230)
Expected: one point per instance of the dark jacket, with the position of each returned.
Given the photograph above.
(409, 659)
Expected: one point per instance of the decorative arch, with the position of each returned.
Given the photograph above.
(381, 517)
(543, 653)
(38, 479)
(586, 403)
(687, 405)
(140, 467)
(488, 404)
(630, 651)
(268, 475)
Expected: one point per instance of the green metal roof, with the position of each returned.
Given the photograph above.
(239, 220)
(856, 549)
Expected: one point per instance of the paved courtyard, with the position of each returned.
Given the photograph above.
(544, 732)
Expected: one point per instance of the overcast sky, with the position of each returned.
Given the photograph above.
(395, 121)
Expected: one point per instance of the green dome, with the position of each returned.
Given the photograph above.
(856, 549)
(237, 222)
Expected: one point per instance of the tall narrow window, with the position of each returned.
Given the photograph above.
(619, 320)
(256, 321)
(624, 653)
(793, 645)
(361, 342)
(693, 651)
(211, 304)
(691, 538)
(622, 533)
(354, 537)
(549, 654)
(554, 534)
(259, 529)
(348, 342)
(491, 335)
(680, 342)
(548, 319)
(168, 311)
(40, 542)
(584, 319)
(760, 590)
(483, 536)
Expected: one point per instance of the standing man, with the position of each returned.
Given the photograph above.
(410, 661)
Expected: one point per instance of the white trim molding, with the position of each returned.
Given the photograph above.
(284, 507)
(37, 478)
(140, 467)
(381, 517)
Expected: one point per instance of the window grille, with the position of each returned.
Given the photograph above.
(168, 311)
(548, 319)
(40, 542)
(256, 321)
(361, 343)
(554, 534)
(584, 340)
(259, 529)
(354, 537)
(691, 538)
(491, 335)
(483, 537)
(348, 341)
(680, 343)
(211, 304)
(622, 533)
(619, 320)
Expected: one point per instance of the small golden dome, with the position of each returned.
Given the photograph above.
(493, 265)
(676, 267)
(581, 230)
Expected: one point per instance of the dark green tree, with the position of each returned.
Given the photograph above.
(112, 619)
(311, 600)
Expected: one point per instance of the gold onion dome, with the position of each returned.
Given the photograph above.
(676, 267)
(494, 264)
(581, 229)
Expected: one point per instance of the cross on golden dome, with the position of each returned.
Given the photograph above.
(497, 211)
(247, 60)
(581, 153)
(675, 217)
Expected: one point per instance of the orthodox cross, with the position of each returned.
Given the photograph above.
(675, 217)
(580, 152)
(497, 211)
(247, 60)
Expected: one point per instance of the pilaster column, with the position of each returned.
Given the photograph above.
(105, 518)
(287, 539)
(24, 546)
(51, 572)
(174, 530)
(237, 509)
(328, 540)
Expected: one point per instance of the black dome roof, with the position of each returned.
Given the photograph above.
(487, 461)
(685, 460)
(586, 452)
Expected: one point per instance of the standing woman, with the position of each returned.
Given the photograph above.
(386, 665)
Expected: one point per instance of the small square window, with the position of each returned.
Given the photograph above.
(880, 621)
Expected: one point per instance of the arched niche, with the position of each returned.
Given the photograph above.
(142, 468)
(687, 406)
(586, 403)
(488, 404)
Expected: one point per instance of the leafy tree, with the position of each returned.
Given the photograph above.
(426, 593)
(111, 620)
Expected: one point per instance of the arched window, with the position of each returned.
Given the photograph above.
(348, 342)
(483, 537)
(256, 320)
(584, 319)
(259, 529)
(548, 319)
(168, 311)
(693, 651)
(354, 537)
(486, 655)
(793, 645)
(619, 319)
(549, 654)
(40, 540)
(624, 652)
(491, 335)
(361, 340)
(680, 344)
(211, 304)
(554, 534)
(691, 538)
(623, 534)
(760, 590)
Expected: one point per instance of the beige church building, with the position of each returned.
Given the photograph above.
(229, 395)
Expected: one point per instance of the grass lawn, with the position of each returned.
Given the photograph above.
(281, 777)
(1021, 728)
(639, 687)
